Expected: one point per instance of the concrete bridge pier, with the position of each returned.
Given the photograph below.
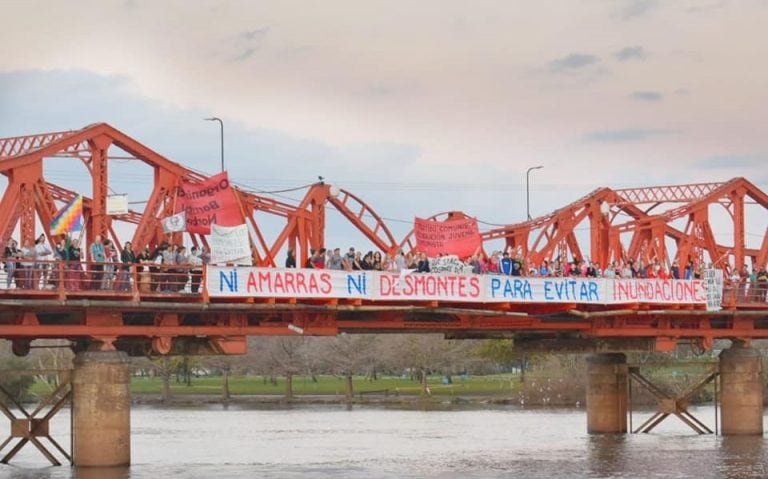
(741, 400)
(607, 393)
(101, 409)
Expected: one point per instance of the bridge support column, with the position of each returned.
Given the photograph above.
(101, 409)
(741, 400)
(607, 396)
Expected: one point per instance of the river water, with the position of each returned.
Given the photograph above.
(368, 442)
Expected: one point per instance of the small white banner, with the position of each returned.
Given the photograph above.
(117, 204)
(230, 244)
(175, 223)
(713, 282)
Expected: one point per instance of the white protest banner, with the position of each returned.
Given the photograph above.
(449, 287)
(230, 244)
(713, 281)
(117, 204)
(175, 223)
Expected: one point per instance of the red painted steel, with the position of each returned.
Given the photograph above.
(621, 224)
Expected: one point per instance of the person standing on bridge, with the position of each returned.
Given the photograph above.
(42, 253)
(110, 257)
(196, 269)
(57, 269)
(97, 262)
(505, 264)
(73, 270)
(335, 261)
(169, 269)
(423, 264)
(27, 265)
(290, 258)
(762, 285)
(11, 255)
(127, 260)
(180, 277)
(318, 260)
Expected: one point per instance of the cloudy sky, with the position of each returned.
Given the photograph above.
(418, 107)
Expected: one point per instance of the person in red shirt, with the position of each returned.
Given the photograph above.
(318, 260)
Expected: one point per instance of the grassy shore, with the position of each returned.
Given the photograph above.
(324, 386)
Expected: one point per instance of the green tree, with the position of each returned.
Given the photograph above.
(502, 352)
(15, 386)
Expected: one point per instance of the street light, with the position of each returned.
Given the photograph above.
(528, 190)
(221, 124)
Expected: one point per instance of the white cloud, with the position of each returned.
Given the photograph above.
(426, 92)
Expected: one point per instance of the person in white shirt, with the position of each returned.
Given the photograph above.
(43, 254)
(27, 265)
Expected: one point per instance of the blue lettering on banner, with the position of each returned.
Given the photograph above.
(567, 290)
(511, 288)
(359, 284)
(548, 291)
(231, 281)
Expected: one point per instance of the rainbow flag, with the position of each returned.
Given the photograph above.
(69, 218)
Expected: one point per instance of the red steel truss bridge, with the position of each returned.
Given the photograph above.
(663, 223)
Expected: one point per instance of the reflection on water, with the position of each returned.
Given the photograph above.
(742, 457)
(212, 442)
(606, 454)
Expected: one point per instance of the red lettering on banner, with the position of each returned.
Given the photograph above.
(697, 292)
(290, 282)
(430, 285)
(290, 287)
(327, 286)
(313, 284)
(460, 237)
(265, 278)
(661, 291)
(475, 283)
(300, 282)
(278, 284)
(207, 202)
(251, 284)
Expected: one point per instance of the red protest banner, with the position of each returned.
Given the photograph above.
(459, 237)
(209, 202)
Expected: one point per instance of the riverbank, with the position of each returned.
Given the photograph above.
(472, 391)
(269, 401)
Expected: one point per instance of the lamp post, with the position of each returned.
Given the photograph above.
(221, 125)
(528, 190)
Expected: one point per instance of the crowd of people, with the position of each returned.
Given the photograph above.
(751, 284)
(173, 268)
(166, 268)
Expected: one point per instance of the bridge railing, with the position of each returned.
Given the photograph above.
(79, 278)
(65, 279)
(744, 293)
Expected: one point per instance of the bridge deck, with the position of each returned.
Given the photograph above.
(138, 310)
